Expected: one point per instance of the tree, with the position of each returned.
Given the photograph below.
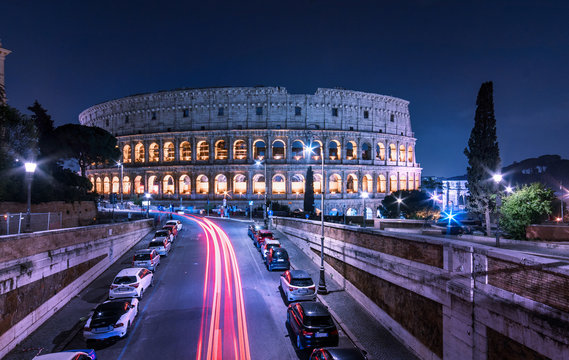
(483, 156)
(415, 204)
(87, 144)
(44, 124)
(431, 184)
(309, 192)
(530, 205)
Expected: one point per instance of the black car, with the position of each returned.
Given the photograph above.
(311, 325)
(337, 354)
(277, 258)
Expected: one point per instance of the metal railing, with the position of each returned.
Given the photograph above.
(17, 223)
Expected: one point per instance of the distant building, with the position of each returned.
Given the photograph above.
(3, 54)
(454, 193)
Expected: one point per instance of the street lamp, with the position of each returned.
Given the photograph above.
(399, 201)
(148, 196)
(364, 197)
(258, 163)
(30, 169)
(121, 181)
(497, 179)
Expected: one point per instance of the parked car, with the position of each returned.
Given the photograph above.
(79, 354)
(268, 245)
(338, 354)
(260, 237)
(298, 285)
(178, 224)
(131, 282)
(311, 325)
(163, 234)
(173, 229)
(146, 258)
(277, 258)
(162, 246)
(111, 319)
(251, 230)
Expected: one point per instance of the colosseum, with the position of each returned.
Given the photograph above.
(199, 146)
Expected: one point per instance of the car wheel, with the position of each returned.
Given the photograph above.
(298, 342)
(270, 267)
(127, 328)
(152, 281)
(141, 292)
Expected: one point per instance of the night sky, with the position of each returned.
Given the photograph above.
(70, 55)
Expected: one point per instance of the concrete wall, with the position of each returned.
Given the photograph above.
(448, 299)
(548, 232)
(41, 272)
(78, 213)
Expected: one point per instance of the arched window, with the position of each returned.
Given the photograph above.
(169, 151)
(410, 154)
(220, 184)
(279, 149)
(239, 150)
(259, 184)
(335, 184)
(92, 181)
(185, 185)
(168, 187)
(297, 149)
(279, 184)
(202, 184)
(402, 182)
(126, 154)
(99, 185)
(203, 150)
(351, 150)
(220, 150)
(154, 153)
(185, 151)
(317, 183)
(239, 184)
(411, 181)
(392, 152)
(417, 181)
(367, 183)
(139, 153)
(116, 185)
(401, 153)
(366, 151)
(316, 150)
(392, 183)
(297, 184)
(259, 149)
(334, 150)
(153, 185)
(352, 184)
(106, 185)
(381, 184)
(380, 151)
(138, 185)
(126, 185)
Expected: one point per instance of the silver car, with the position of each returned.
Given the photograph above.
(162, 246)
(146, 258)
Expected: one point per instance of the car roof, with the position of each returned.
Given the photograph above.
(272, 241)
(313, 308)
(299, 274)
(59, 356)
(346, 354)
(172, 221)
(144, 251)
(265, 231)
(280, 250)
(129, 272)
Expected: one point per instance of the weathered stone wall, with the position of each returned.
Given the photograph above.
(79, 213)
(548, 232)
(456, 301)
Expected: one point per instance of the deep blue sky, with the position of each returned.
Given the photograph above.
(70, 55)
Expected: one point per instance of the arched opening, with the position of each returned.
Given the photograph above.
(279, 184)
(126, 185)
(239, 184)
(316, 150)
(417, 181)
(392, 153)
(335, 184)
(392, 183)
(410, 154)
(99, 185)
(154, 153)
(411, 182)
(366, 151)
(185, 151)
(220, 184)
(351, 150)
(367, 183)
(297, 184)
(402, 182)
(202, 184)
(220, 150)
(259, 184)
(106, 185)
(380, 151)
(92, 181)
(317, 183)
(168, 187)
(126, 154)
(116, 185)
(185, 185)
(334, 150)
(153, 185)
(239, 150)
(139, 153)
(169, 153)
(297, 149)
(401, 153)
(381, 184)
(279, 149)
(351, 212)
(259, 149)
(138, 185)
(203, 150)
(368, 213)
(352, 184)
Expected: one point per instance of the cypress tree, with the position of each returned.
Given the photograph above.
(483, 155)
(309, 192)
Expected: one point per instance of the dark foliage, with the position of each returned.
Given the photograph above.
(415, 204)
(309, 192)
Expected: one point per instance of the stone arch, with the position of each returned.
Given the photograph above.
(316, 149)
(402, 182)
(279, 149)
(169, 153)
(297, 184)
(410, 154)
(401, 153)
(366, 151)
(99, 185)
(351, 212)
(239, 150)
(126, 154)
(392, 152)
(168, 185)
(203, 150)
(297, 149)
(351, 150)
(317, 183)
(352, 183)
(259, 185)
(106, 185)
(153, 153)
(279, 184)
(202, 184)
(381, 184)
(116, 185)
(139, 153)
(220, 150)
(240, 184)
(185, 151)
(139, 185)
(220, 184)
(367, 183)
(392, 183)
(126, 185)
(259, 149)
(334, 150)
(335, 184)
(380, 151)
(185, 185)
(153, 185)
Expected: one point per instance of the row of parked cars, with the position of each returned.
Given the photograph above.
(309, 321)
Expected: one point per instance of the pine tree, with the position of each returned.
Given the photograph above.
(483, 155)
(44, 124)
(309, 192)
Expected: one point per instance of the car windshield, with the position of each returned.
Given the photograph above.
(161, 233)
(318, 321)
(109, 309)
(301, 282)
(124, 280)
(267, 235)
(141, 257)
(171, 222)
(156, 244)
(270, 246)
(281, 255)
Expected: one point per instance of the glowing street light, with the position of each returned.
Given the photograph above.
(30, 169)
(147, 196)
(498, 179)
(399, 201)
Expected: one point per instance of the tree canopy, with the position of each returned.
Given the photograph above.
(309, 191)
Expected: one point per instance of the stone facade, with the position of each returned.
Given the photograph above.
(3, 54)
(198, 144)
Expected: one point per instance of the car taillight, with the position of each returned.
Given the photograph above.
(307, 333)
(133, 258)
(87, 328)
(118, 325)
(114, 286)
(312, 287)
(151, 256)
(334, 332)
(290, 288)
(134, 285)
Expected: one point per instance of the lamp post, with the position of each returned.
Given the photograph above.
(364, 197)
(258, 163)
(121, 181)
(497, 179)
(399, 201)
(30, 169)
(147, 195)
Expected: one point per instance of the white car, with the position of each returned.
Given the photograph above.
(162, 246)
(178, 224)
(131, 282)
(268, 245)
(163, 235)
(111, 319)
(298, 285)
(83, 354)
